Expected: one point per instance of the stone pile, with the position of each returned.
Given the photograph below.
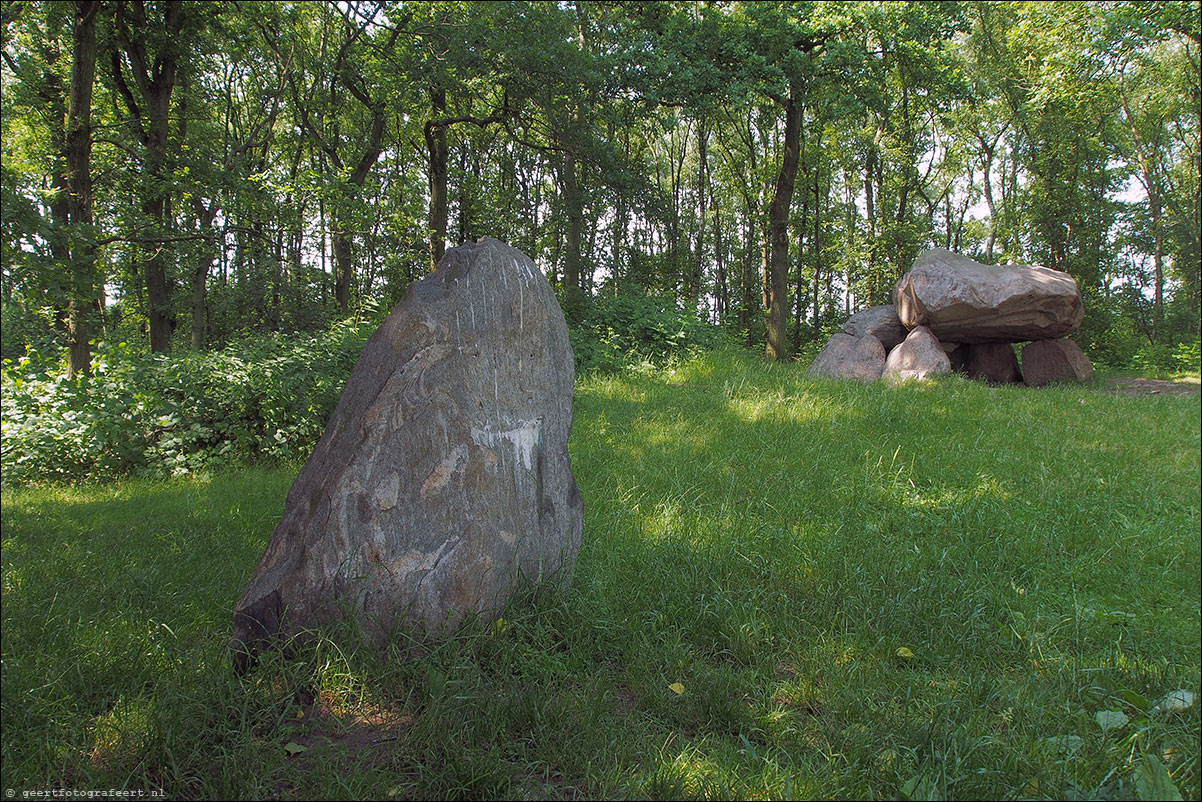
(950, 313)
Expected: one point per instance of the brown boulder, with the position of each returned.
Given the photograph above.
(964, 301)
(993, 362)
(919, 356)
(442, 480)
(1048, 361)
(848, 357)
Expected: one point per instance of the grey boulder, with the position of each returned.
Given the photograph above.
(880, 322)
(847, 357)
(919, 356)
(442, 481)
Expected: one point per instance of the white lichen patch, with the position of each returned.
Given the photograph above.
(523, 438)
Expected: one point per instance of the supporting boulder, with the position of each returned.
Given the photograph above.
(964, 301)
(442, 481)
(992, 362)
(880, 322)
(919, 356)
(848, 357)
(1049, 361)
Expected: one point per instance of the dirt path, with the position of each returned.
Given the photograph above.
(1127, 385)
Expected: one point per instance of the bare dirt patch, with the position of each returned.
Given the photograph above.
(1129, 386)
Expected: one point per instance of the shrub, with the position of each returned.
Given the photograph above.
(1188, 356)
(1165, 358)
(616, 332)
(265, 397)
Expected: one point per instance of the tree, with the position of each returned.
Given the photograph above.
(151, 48)
(84, 298)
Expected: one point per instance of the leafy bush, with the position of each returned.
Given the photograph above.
(1154, 359)
(1165, 358)
(266, 397)
(617, 332)
(1188, 356)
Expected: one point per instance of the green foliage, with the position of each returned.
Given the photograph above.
(1188, 357)
(266, 397)
(1163, 359)
(626, 330)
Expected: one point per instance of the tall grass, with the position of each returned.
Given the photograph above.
(788, 589)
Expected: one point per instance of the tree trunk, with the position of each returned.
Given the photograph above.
(155, 79)
(778, 225)
(342, 234)
(343, 263)
(748, 279)
(1157, 258)
(693, 286)
(83, 303)
(574, 211)
(436, 160)
(721, 299)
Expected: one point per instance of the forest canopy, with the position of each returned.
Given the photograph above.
(177, 175)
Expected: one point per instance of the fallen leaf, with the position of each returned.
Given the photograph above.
(676, 688)
(1152, 781)
(906, 653)
(1110, 719)
(1067, 745)
(293, 748)
(1175, 700)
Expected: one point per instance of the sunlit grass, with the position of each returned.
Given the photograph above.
(863, 592)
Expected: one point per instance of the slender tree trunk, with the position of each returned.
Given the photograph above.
(693, 287)
(721, 299)
(870, 163)
(1154, 202)
(200, 272)
(342, 234)
(436, 154)
(574, 212)
(84, 301)
(746, 293)
(778, 226)
(155, 79)
(340, 238)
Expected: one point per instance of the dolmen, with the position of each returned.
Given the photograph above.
(950, 313)
(442, 482)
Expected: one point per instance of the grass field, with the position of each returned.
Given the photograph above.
(787, 589)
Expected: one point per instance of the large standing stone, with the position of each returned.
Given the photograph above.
(879, 321)
(919, 356)
(848, 357)
(1048, 361)
(442, 479)
(967, 302)
(993, 362)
